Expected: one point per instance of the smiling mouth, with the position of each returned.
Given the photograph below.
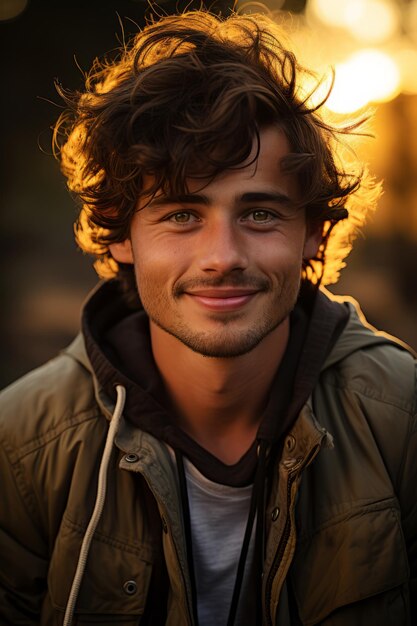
(222, 299)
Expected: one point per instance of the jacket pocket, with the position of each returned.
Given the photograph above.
(353, 566)
(116, 579)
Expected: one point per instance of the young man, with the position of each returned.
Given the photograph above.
(233, 446)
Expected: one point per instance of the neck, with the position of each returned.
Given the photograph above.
(219, 401)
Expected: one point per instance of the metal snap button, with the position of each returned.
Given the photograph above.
(130, 587)
(290, 443)
(275, 514)
(131, 458)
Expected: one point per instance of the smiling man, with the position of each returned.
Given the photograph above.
(224, 443)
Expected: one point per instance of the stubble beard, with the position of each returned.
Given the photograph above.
(225, 342)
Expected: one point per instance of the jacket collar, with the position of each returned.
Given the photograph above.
(358, 333)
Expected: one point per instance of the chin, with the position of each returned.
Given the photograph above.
(223, 344)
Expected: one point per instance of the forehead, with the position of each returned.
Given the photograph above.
(265, 158)
(263, 167)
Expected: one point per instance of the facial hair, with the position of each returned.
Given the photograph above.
(227, 341)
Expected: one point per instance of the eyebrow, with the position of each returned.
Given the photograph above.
(187, 198)
(264, 196)
(191, 198)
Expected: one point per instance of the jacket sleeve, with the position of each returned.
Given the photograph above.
(23, 549)
(407, 494)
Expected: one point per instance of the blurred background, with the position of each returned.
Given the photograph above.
(372, 45)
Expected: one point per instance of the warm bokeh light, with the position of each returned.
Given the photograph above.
(370, 43)
(373, 21)
(370, 21)
(333, 13)
(367, 76)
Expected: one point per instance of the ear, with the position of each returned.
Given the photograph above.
(122, 251)
(314, 237)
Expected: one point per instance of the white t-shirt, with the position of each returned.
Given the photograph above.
(219, 515)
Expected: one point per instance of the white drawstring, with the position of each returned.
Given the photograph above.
(98, 507)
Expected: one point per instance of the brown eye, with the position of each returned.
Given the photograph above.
(181, 218)
(260, 216)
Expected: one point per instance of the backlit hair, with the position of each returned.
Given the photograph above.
(187, 97)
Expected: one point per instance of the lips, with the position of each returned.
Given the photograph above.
(222, 299)
(222, 293)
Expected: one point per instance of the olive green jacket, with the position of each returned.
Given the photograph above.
(341, 519)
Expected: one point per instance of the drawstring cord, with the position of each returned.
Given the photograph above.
(98, 507)
(256, 509)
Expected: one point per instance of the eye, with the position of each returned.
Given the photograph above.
(260, 215)
(182, 217)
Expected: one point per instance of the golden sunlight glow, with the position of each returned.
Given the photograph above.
(410, 19)
(406, 60)
(367, 76)
(333, 13)
(370, 21)
(374, 21)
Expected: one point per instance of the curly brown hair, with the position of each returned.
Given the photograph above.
(188, 97)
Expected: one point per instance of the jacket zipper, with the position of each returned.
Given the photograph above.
(287, 531)
(280, 551)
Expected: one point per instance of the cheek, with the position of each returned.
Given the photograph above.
(149, 273)
(151, 285)
(282, 256)
(157, 268)
(163, 257)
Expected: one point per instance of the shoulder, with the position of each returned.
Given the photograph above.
(49, 400)
(369, 388)
(51, 433)
(373, 364)
(385, 373)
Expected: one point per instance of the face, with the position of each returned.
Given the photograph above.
(219, 268)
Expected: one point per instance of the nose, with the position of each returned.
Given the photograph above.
(222, 248)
